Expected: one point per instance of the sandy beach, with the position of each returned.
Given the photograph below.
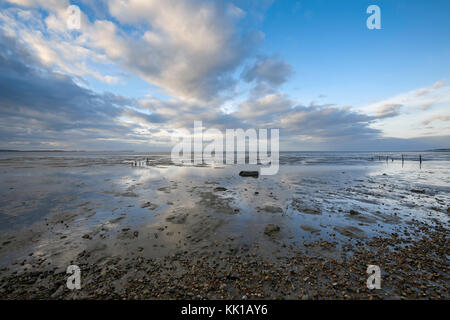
(140, 227)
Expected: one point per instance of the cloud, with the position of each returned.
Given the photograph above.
(388, 110)
(41, 105)
(267, 74)
(47, 36)
(427, 106)
(306, 123)
(267, 106)
(327, 123)
(369, 144)
(189, 48)
(438, 84)
(442, 118)
(401, 116)
(421, 92)
(270, 70)
(419, 99)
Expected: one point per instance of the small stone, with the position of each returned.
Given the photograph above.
(220, 189)
(271, 229)
(254, 174)
(149, 205)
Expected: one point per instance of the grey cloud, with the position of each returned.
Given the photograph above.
(327, 122)
(143, 117)
(38, 104)
(369, 144)
(179, 114)
(266, 107)
(41, 108)
(270, 70)
(313, 122)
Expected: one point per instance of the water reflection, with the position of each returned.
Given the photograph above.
(158, 208)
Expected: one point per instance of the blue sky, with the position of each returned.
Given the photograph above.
(333, 52)
(144, 69)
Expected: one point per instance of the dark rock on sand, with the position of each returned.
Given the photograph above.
(254, 174)
(220, 189)
(149, 205)
(271, 229)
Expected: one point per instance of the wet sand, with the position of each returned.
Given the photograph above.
(158, 231)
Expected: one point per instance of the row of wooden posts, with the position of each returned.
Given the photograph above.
(380, 158)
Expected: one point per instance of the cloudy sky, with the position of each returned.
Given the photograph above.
(138, 70)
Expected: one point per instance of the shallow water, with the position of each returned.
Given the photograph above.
(48, 201)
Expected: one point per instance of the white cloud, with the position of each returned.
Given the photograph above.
(388, 110)
(441, 118)
(189, 48)
(438, 84)
(414, 99)
(50, 40)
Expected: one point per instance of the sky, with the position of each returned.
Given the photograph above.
(136, 71)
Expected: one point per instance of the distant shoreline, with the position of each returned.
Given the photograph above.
(309, 151)
(38, 151)
(65, 150)
(439, 150)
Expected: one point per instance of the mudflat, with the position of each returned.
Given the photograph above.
(140, 227)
